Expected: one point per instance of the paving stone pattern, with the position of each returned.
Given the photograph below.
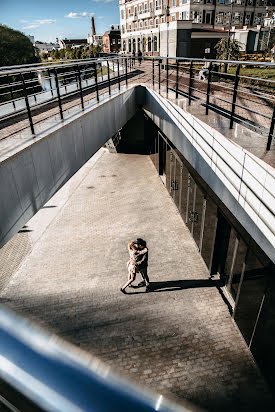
(179, 339)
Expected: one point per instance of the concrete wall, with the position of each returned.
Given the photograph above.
(31, 177)
(244, 183)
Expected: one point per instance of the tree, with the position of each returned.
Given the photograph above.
(15, 48)
(223, 52)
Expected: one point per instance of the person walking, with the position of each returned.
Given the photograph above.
(142, 263)
(139, 57)
(135, 252)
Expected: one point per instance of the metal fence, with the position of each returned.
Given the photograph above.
(241, 91)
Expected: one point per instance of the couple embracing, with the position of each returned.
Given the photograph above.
(137, 263)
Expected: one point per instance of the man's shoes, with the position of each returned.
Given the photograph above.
(147, 289)
(141, 284)
(123, 291)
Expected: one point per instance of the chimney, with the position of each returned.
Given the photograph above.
(112, 27)
(93, 26)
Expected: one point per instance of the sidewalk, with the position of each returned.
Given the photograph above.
(179, 339)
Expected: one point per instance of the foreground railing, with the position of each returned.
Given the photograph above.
(241, 91)
(38, 371)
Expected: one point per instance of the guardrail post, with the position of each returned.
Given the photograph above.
(118, 76)
(153, 71)
(159, 74)
(50, 80)
(58, 94)
(96, 84)
(167, 76)
(177, 80)
(126, 71)
(27, 103)
(80, 87)
(11, 92)
(190, 83)
(237, 78)
(109, 83)
(208, 88)
(101, 72)
(271, 130)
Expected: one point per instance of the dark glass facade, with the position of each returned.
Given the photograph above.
(227, 250)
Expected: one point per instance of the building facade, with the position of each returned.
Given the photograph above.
(111, 40)
(143, 21)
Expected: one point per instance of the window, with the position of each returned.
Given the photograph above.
(157, 22)
(196, 17)
(151, 22)
(149, 44)
(249, 2)
(157, 4)
(129, 45)
(247, 19)
(136, 25)
(113, 41)
(123, 29)
(183, 1)
(129, 12)
(220, 17)
(208, 17)
(124, 45)
(222, 1)
(140, 9)
(155, 43)
(237, 17)
(130, 27)
(146, 23)
(174, 3)
(163, 3)
(145, 7)
(140, 24)
(136, 13)
(122, 14)
(258, 18)
(151, 6)
(173, 16)
(239, 2)
(184, 15)
(163, 19)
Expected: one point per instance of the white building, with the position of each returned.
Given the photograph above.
(45, 47)
(142, 21)
(94, 39)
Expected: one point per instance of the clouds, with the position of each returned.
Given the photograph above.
(37, 23)
(72, 15)
(103, 1)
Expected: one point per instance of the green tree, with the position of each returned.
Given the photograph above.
(15, 48)
(225, 51)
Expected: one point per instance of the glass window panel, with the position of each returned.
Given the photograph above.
(209, 233)
(184, 192)
(237, 269)
(251, 294)
(198, 215)
(170, 160)
(191, 203)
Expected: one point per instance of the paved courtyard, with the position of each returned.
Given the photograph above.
(179, 339)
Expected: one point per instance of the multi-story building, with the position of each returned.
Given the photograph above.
(143, 21)
(111, 40)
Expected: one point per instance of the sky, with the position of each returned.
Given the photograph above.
(48, 19)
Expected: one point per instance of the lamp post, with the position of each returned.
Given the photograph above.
(152, 43)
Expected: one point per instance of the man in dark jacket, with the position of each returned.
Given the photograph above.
(142, 264)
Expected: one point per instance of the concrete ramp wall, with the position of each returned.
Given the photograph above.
(29, 178)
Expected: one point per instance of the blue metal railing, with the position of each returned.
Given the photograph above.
(55, 376)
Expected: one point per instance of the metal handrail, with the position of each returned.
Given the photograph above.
(22, 81)
(56, 376)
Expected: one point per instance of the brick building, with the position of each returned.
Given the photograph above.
(111, 40)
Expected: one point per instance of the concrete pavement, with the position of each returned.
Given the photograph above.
(179, 339)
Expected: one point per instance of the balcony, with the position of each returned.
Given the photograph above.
(160, 11)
